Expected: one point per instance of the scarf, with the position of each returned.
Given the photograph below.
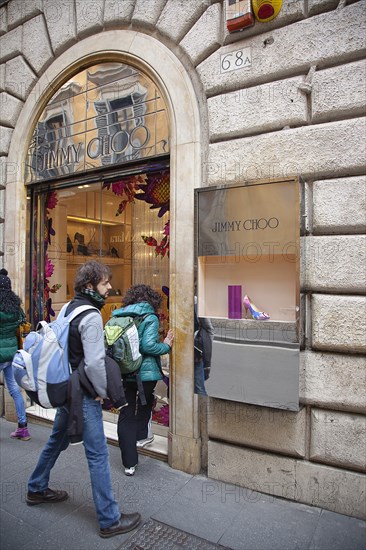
(94, 295)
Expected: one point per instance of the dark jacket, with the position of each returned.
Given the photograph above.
(203, 340)
(150, 346)
(79, 384)
(9, 323)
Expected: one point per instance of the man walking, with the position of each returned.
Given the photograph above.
(86, 342)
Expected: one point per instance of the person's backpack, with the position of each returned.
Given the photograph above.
(42, 367)
(122, 343)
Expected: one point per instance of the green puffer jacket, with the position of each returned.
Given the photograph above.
(8, 341)
(150, 347)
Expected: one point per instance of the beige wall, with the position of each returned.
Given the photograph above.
(298, 110)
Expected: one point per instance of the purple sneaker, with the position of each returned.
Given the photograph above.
(21, 433)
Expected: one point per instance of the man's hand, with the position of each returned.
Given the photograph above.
(100, 399)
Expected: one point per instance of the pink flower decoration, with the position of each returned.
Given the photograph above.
(52, 200)
(48, 267)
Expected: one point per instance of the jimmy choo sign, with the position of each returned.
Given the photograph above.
(55, 154)
(251, 216)
(107, 114)
(246, 225)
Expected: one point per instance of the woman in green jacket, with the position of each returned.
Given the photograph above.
(11, 315)
(141, 300)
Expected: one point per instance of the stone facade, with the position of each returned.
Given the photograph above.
(297, 110)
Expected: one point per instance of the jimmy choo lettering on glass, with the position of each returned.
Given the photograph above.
(60, 156)
(246, 225)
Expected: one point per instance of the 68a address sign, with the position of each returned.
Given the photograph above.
(233, 61)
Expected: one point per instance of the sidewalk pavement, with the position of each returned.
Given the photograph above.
(179, 510)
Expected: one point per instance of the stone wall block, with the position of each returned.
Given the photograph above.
(257, 427)
(338, 438)
(19, 78)
(205, 36)
(3, 21)
(5, 137)
(10, 108)
(10, 44)
(339, 323)
(331, 38)
(89, 17)
(319, 6)
(257, 110)
(254, 470)
(147, 17)
(339, 92)
(179, 16)
(61, 23)
(36, 44)
(3, 171)
(21, 10)
(2, 77)
(333, 381)
(308, 151)
(334, 263)
(334, 489)
(339, 205)
(118, 13)
(327, 487)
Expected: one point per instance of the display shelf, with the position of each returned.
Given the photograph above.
(276, 333)
(79, 259)
(91, 221)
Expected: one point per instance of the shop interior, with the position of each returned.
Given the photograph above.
(130, 235)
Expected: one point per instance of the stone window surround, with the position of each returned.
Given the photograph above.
(159, 63)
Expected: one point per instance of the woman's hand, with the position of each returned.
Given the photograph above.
(169, 338)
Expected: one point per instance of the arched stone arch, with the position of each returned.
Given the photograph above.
(159, 63)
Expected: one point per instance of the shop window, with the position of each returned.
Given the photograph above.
(123, 223)
(249, 287)
(98, 177)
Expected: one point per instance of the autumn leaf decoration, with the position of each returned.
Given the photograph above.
(153, 188)
(156, 191)
(162, 248)
(128, 187)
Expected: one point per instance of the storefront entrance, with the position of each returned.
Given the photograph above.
(99, 188)
(66, 137)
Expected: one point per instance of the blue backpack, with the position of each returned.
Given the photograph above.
(42, 367)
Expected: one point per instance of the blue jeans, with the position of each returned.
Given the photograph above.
(14, 391)
(96, 452)
(199, 379)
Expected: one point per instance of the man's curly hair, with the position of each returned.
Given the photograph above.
(91, 272)
(142, 293)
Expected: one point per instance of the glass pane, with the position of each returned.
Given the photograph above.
(105, 115)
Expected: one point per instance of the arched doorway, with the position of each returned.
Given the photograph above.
(158, 63)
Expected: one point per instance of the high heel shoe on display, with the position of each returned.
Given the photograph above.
(256, 314)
